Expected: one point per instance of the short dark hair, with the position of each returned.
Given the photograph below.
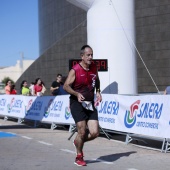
(59, 75)
(83, 48)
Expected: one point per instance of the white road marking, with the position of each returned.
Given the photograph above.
(98, 160)
(45, 143)
(26, 137)
(102, 161)
(131, 169)
(11, 133)
(67, 150)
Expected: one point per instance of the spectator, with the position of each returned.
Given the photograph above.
(55, 85)
(43, 88)
(13, 90)
(167, 90)
(61, 89)
(38, 87)
(8, 87)
(24, 88)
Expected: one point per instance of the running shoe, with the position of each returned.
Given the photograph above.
(79, 161)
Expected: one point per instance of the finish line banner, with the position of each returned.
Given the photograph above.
(145, 115)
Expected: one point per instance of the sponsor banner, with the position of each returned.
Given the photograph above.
(146, 115)
(48, 109)
(3, 104)
(34, 107)
(58, 110)
(45, 108)
(11, 105)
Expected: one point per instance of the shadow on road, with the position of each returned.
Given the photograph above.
(111, 158)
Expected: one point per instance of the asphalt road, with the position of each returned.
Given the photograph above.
(25, 147)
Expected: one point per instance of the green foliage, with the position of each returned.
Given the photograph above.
(6, 79)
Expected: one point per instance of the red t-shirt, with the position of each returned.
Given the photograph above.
(85, 81)
(13, 91)
(37, 88)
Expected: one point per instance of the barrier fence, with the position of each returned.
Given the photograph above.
(146, 115)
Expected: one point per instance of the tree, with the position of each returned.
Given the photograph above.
(6, 79)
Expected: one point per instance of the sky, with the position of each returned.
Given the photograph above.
(18, 31)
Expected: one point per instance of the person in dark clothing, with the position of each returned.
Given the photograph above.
(56, 85)
(61, 90)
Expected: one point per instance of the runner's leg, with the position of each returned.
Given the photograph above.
(93, 126)
(81, 133)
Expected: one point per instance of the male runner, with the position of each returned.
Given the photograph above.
(81, 83)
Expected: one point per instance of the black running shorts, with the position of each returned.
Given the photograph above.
(79, 113)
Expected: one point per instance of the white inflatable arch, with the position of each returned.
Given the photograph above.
(111, 34)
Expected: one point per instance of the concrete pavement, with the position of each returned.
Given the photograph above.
(45, 149)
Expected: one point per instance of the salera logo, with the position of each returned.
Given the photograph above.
(27, 108)
(47, 108)
(9, 106)
(67, 112)
(130, 116)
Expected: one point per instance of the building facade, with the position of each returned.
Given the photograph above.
(153, 43)
(63, 30)
(14, 72)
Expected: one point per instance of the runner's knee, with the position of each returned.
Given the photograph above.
(94, 134)
(82, 133)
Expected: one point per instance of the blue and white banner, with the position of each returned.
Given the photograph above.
(58, 110)
(44, 108)
(12, 105)
(48, 109)
(145, 115)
